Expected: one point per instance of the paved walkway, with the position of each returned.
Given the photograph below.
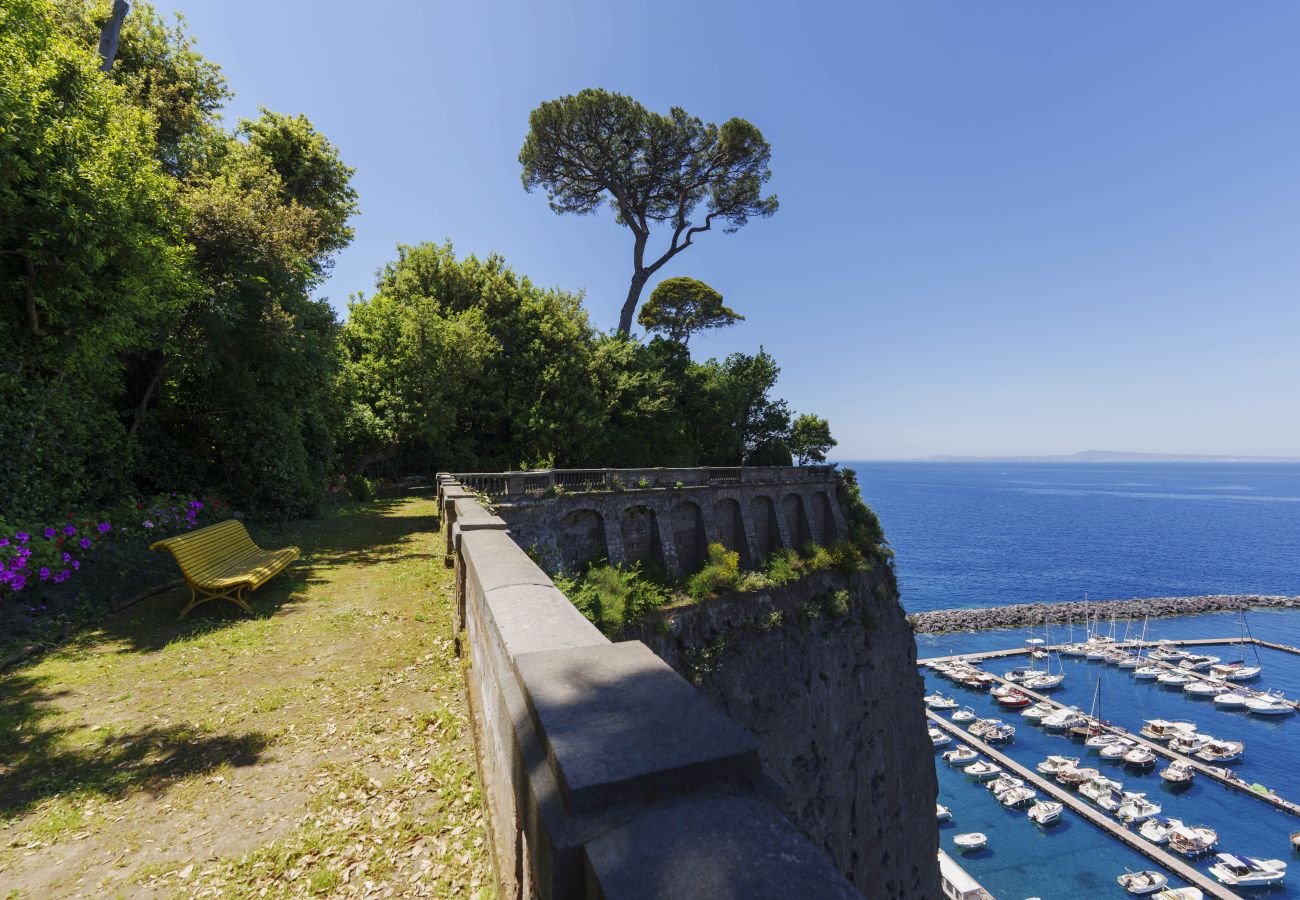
(320, 748)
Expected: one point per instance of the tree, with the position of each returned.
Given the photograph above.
(597, 146)
(680, 307)
(810, 439)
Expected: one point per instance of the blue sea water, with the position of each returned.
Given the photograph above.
(984, 534)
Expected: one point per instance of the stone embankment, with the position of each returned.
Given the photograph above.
(1020, 615)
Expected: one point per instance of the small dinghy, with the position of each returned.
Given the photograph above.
(965, 714)
(1142, 883)
(1247, 871)
(973, 840)
(942, 813)
(960, 755)
(983, 770)
(1178, 774)
(1045, 812)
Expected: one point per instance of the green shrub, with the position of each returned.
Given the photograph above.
(783, 567)
(613, 597)
(360, 488)
(721, 573)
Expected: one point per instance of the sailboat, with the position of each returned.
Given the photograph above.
(1091, 727)
(1237, 670)
(1047, 680)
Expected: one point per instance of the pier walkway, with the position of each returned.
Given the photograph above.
(1116, 830)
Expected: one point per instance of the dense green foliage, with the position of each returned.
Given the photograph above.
(681, 307)
(810, 438)
(613, 597)
(596, 146)
(155, 275)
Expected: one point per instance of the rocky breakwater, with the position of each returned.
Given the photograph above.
(1020, 615)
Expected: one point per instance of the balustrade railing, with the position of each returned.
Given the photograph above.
(545, 482)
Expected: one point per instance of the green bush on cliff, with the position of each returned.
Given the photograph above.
(613, 597)
(864, 527)
(719, 574)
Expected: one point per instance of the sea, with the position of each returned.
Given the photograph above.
(990, 533)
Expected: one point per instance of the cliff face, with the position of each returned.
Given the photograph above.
(823, 672)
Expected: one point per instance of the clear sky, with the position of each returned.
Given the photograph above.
(1005, 227)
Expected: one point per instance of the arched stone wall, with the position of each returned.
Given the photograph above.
(639, 527)
(688, 535)
(581, 538)
(767, 535)
(796, 519)
(823, 518)
(730, 528)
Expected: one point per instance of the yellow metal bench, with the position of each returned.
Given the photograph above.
(221, 562)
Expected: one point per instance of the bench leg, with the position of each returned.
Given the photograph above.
(235, 598)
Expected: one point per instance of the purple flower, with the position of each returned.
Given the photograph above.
(18, 582)
(49, 533)
(148, 524)
(5, 575)
(76, 564)
(22, 537)
(85, 543)
(4, 542)
(67, 557)
(102, 527)
(45, 572)
(195, 504)
(69, 530)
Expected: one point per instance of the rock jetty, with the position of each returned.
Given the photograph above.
(1020, 615)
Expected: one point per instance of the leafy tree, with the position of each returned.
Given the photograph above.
(594, 146)
(729, 404)
(680, 307)
(810, 438)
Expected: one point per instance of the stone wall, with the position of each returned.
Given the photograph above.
(605, 773)
(832, 693)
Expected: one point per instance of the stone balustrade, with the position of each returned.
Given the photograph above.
(543, 482)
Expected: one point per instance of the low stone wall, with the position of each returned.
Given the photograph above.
(1018, 615)
(605, 773)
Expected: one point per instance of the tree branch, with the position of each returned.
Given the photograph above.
(109, 34)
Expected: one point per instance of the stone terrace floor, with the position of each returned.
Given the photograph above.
(322, 748)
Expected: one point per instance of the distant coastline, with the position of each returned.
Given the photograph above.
(1020, 615)
(1091, 456)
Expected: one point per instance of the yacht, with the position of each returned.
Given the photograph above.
(1141, 883)
(1137, 808)
(960, 755)
(1167, 654)
(938, 738)
(1045, 812)
(1140, 758)
(1202, 690)
(1231, 700)
(1192, 841)
(1216, 751)
(982, 770)
(1247, 871)
(1116, 751)
(1270, 705)
(942, 813)
(1054, 764)
(1064, 718)
(1163, 730)
(1235, 671)
(1190, 743)
(1147, 673)
(1156, 829)
(1036, 712)
(939, 701)
(1195, 663)
(1178, 774)
(1017, 797)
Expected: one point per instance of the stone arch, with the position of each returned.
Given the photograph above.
(796, 519)
(730, 528)
(824, 518)
(688, 535)
(639, 526)
(767, 535)
(581, 538)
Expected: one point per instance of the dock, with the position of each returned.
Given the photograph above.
(1116, 830)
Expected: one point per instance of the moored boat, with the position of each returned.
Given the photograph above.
(939, 701)
(1137, 808)
(1247, 871)
(1147, 673)
(1036, 712)
(1174, 679)
(1163, 730)
(1141, 883)
(942, 813)
(1115, 751)
(965, 714)
(1231, 700)
(1017, 797)
(1045, 812)
(960, 755)
(1201, 690)
(1195, 663)
(982, 770)
(1269, 705)
(1178, 774)
(973, 840)
(1156, 829)
(1054, 764)
(1140, 758)
(1182, 893)
(1192, 840)
(1216, 751)
(938, 738)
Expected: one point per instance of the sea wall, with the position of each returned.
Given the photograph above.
(1024, 614)
(605, 774)
(823, 673)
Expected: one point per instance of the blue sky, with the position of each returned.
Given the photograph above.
(1005, 227)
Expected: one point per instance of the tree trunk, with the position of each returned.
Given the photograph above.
(109, 34)
(639, 278)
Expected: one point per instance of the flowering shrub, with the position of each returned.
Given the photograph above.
(33, 554)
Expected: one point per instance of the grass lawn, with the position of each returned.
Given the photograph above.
(322, 748)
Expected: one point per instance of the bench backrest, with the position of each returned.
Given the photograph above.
(201, 549)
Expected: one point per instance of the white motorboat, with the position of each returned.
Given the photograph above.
(1017, 797)
(1142, 883)
(1163, 730)
(1235, 671)
(1202, 690)
(939, 701)
(1004, 690)
(1148, 673)
(1054, 764)
(1178, 774)
(1114, 752)
(1036, 712)
(942, 813)
(1045, 812)
(1014, 699)
(1190, 743)
(1231, 700)
(1269, 705)
(960, 755)
(982, 770)
(1182, 893)
(1016, 675)
(1138, 808)
(1156, 829)
(1172, 679)
(1076, 777)
(973, 840)
(1216, 751)
(1097, 788)
(1062, 719)
(1004, 782)
(938, 738)
(1043, 681)
(1195, 663)
(1140, 758)
(1192, 840)
(1167, 654)
(1098, 741)
(965, 714)
(999, 733)
(1130, 661)
(1247, 871)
